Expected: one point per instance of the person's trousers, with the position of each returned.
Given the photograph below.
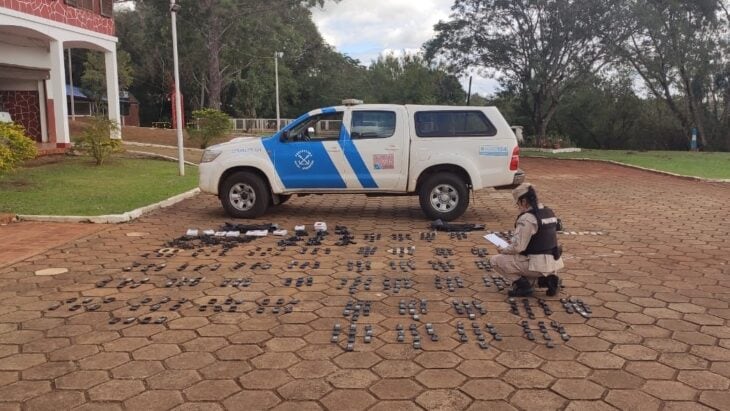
(514, 266)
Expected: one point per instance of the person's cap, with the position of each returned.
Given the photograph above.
(521, 190)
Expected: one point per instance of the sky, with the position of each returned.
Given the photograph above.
(364, 29)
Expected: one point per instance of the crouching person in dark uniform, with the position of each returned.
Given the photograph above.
(533, 254)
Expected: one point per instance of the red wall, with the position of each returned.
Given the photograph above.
(57, 10)
(24, 109)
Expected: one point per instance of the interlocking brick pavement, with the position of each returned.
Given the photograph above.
(656, 278)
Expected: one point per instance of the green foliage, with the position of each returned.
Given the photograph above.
(93, 79)
(210, 125)
(541, 48)
(15, 146)
(96, 139)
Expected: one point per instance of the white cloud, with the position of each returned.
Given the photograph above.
(366, 29)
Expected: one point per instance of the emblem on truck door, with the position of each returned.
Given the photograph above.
(303, 160)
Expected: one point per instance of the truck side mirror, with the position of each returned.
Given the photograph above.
(284, 136)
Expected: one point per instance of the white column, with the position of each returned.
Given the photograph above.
(42, 108)
(112, 89)
(57, 92)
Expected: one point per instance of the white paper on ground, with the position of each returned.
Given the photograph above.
(494, 239)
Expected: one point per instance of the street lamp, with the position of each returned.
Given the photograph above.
(174, 9)
(277, 56)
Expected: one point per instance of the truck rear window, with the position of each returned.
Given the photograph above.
(472, 123)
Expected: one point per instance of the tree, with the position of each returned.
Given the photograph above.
(674, 48)
(93, 79)
(540, 47)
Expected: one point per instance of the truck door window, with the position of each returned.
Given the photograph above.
(372, 124)
(322, 127)
(471, 123)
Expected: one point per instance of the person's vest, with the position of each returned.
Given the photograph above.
(545, 240)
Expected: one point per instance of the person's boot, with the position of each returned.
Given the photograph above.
(521, 288)
(553, 285)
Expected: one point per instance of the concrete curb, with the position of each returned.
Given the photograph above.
(113, 218)
(134, 143)
(160, 156)
(667, 173)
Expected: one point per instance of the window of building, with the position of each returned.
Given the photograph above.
(453, 124)
(82, 4)
(107, 8)
(372, 124)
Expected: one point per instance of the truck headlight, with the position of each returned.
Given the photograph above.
(209, 155)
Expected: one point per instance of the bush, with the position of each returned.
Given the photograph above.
(211, 124)
(15, 146)
(96, 139)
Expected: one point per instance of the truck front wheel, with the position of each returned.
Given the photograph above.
(443, 196)
(245, 195)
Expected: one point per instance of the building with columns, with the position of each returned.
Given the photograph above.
(33, 37)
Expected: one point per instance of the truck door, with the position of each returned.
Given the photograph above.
(303, 157)
(375, 144)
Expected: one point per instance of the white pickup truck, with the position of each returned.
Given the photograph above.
(436, 152)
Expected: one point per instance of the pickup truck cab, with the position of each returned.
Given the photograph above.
(436, 152)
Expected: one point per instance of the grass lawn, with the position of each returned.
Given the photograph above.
(75, 186)
(697, 164)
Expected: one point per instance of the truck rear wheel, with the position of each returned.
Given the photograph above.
(245, 195)
(444, 196)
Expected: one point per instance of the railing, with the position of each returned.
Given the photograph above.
(258, 124)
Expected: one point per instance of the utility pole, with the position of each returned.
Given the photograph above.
(277, 55)
(468, 97)
(174, 8)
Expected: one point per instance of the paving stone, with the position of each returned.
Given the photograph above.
(440, 378)
(251, 400)
(82, 380)
(578, 389)
(19, 362)
(274, 361)
(24, 390)
(351, 379)
(616, 379)
(357, 360)
(396, 406)
(225, 370)
(537, 400)
(213, 390)
(311, 389)
(298, 406)
(173, 379)
(589, 406)
(396, 389)
(189, 361)
(480, 369)
(62, 400)
(632, 400)
(528, 378)
(396, 369)
(519, 360)
(49, 370)
(350, 400)
(445, 400)
(116, 390)
(669, 390)
(487, 389)
(264, 379)
(312, 369)
(716, 399)
(137, 370)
